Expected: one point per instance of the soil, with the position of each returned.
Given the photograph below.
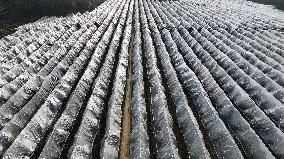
(126, 119)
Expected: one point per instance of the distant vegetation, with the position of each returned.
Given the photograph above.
(18, 12)
(45, 7)
(279, 4)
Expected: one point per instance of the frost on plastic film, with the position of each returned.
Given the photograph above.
(111, 140)
(274, 130)
(56, 98)
(218, 97)
(200, 99)
(74, 105)
(185, 116)
(82, 147)
(139, 139)
(207, 82)
(161, 117)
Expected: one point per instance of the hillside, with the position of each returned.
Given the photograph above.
(14, 13)
(279, 4)
(47, 7)
(146, 79)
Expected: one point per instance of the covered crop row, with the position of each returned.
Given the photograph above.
(146, 79)
(221, 76)
(57, 84)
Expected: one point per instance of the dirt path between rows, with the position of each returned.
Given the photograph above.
(126, 118)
